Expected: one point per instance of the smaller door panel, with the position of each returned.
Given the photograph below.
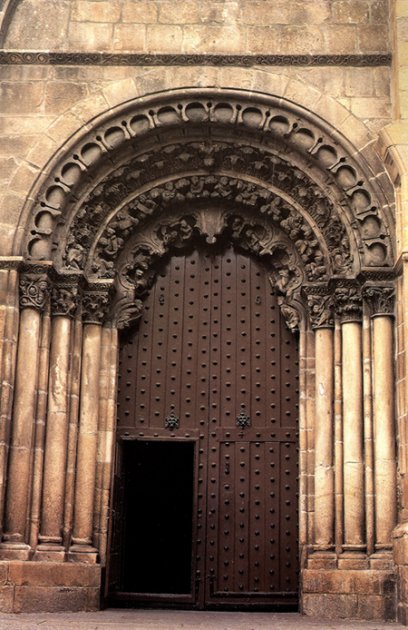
(251, 521)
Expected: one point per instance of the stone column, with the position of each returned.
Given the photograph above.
(107, 410)
(38, 447)
(63, 306)
(349, 308)
(74, 388)
(34, 291)
(320, 307)
(82, 548)
(9, 319)
(381, 300)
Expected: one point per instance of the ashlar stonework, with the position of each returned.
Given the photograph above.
(261, 139)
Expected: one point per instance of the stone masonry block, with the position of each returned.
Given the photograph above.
(330, 606)
(310, 12)
(341, 39)
(359, 82)
(260, 39)
(21, 98)
(6, 599)
(192, 12)
(373, 38)
(130, 37)
(376, 607)
(165, 39)
(86, 36)
(213, 39)
(379, 11)
(350, 11)
(38, 27)
(255, 13)
(142, 12)
(298, 40)
(371, 107)
(88, 11)
(49, 599)
(60, 96)
(54, 574)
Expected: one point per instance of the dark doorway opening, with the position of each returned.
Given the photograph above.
(159, 479)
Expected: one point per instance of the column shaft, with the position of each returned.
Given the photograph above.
(20, 459)
(338, 439)
(42, 398)
(368, 434)
(74, 388)
(56, 434)
(87, 439)
(384, 445)
(8, 366)
(324, 477)
(106, 434)
(353, 435)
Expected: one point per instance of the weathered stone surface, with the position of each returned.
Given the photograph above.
(52, 574)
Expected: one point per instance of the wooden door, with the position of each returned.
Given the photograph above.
(212, 363)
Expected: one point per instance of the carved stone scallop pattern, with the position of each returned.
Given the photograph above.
(226, 113)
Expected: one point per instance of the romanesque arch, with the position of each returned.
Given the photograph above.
(143, 180)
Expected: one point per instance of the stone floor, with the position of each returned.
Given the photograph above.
(180, 620)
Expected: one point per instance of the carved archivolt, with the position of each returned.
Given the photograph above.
(206, 165)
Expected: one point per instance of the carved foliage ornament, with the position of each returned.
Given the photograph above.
(286, 125)
(320, 308)
(95, 304)
(250, 161)
(381, 299)
(230, 192)
(64, 300)
(34, 291)
(252, 234)
(349, 303)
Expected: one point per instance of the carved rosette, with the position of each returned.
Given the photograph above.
(349, 303)
(95, 304)
(380, 299)
(320, 309)
(34, 291)
(64, 300)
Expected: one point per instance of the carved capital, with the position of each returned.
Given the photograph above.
(349, 303)
(95, 303)
(34, 290)
(320, 309)
(64, 300)
(380, 299)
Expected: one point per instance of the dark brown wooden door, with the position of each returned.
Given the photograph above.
(213, 363)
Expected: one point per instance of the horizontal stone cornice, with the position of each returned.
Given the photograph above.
(36, 57)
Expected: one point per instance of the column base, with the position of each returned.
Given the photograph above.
(83, 553)
(353, 558)
(15, 551)
(382, 560)
(49, 553)
(320, 559)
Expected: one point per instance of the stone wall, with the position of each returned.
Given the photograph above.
(43, 105)
(229, 26)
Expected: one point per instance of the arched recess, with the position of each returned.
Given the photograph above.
(280, 183)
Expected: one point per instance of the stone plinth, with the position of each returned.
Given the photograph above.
(49, 587)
